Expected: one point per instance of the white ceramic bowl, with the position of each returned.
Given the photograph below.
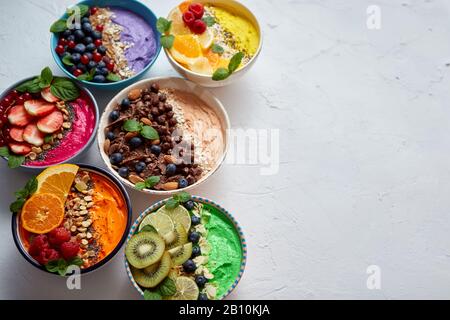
(173, 83)
(206, 80)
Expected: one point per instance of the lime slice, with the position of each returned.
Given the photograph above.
(160, 221)
(187, 289)
(179, 215)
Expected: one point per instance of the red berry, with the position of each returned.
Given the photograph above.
(59, 49)
(47, 255)
(97, 57)
(39, 243)
(93, 10)
(26, 96)
(58, 236)
(71, 44)
(77, 72)
(14, 94)
(98, 42)
(197, 9)
(99, 27)
(6, 102)
(198, 27)
(84, 59)
(69, 249)
(110, 65)
(20, 100)
(106, 59)
(188, 18)
(62, 41)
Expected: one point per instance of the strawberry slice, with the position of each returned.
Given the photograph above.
(16, 134)
(51, 123)
(48, 96)
(20, 148)
(38, 108)
(32, 135)
(18, 116)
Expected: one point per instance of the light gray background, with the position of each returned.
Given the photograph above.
(364, 172)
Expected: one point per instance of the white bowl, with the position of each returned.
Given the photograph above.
(173, 83)
(206, 80)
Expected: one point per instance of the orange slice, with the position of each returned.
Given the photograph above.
(184, 6)
(178, 26)
(213, 58)
(57, 180)
(201, 65)
(42, 213)
(186, 48)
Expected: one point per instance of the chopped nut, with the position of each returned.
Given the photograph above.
(32, 156)
(169, 158)
(130, 135)
(84, 242)
(82, 207)
(60, 136)
(134, 94)
(146, 121)
(156, 141)
(89, 205)
(36, 150)
(46, 146)
(82, 235)
(91, 253)
(83, 229)
(135, 179)
(80, 186)
(73, 228)
(86, 223)
(83, 212)
(66, 125)
(88, 235)
(170, 186)
(106, 145)
(88, 198)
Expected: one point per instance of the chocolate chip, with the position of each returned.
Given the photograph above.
(155, 111)
(173, 122)
(147, 97)
(161, 119)
(162, 97)
(154, 87)
(170, 114)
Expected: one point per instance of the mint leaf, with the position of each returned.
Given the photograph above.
(4, 151)
(113, 77)
(172, 204)
(58, 26)
(148, 228)
(46, 78)
(31, 185)
(163, 25)
(131, 126)
(52, 266)
(31, 86)
(17, 205)
(62, 267)
(210, 21)
(167, 287)
(149, 133)
(139, 186)
(216, 48)
(15, 161)
(77, 261)
(182, 197)
(152, 295)
(152, 181)
(67, 60)
(22, 193)
(48, 138)
(167, 41)
(235, 62)
(220, 74)
(64, 89)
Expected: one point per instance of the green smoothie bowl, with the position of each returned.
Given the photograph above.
(185, 248)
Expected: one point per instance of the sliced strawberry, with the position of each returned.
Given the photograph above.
(32, 135)
(18, 116)
(16, 134)
(20, 148)
(51, 123)
(48, 96)
(38, 108)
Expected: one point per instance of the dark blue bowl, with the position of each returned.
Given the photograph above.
(131, 5)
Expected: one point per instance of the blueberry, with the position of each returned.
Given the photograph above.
(196, 251)
(183, 183)
(171, 169)
(90, 47)
(101, 50)
(104, 71)
(66, 33)
(125, 103)
(189, 266)
(101, 64)
(195, 220)
(114, 115)
(91, 64)
(99, 78)
(89, 55)
(189, 205)
(88, 40)
(71, 69)
(85, 20)
(96, 34)
(140, 166)
(116, 158)
(194, 237)
(82, 67)
(79, 35)
(156, 150)
(200, 281)
(76, 57)
(123, 172)
(135, 142)
(87, 27)
(70, 38)
(202, 296)
(110, 135)
(79, 48)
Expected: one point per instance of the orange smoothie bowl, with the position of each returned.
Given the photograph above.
(71, 216)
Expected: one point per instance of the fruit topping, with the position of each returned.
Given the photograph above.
(42, 213)
(38, 244)
(57, 180)
(38, 108)
(198, 26)
(188, 18)
(69, 250)
(151, 276)
(48, 96)
(18, 116)
(144, 249)
(51, 123)
(58, 236)
(20, 148)
(47, 255)
(197, 9)
(16, 134)
(32, 135)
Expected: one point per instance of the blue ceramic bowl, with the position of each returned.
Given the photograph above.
(131, 5)
(113, 180)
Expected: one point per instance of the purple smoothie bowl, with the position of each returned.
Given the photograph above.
(126, 12)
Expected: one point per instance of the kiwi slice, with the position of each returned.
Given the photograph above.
(180, 237)
(181, 254)
(152, 275)
(144, 249)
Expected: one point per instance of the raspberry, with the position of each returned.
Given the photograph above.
(198, 27)
(69, 249)
(47, 255)
(38, 244)
(58, 236)
(197, 9)
(188, 18)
